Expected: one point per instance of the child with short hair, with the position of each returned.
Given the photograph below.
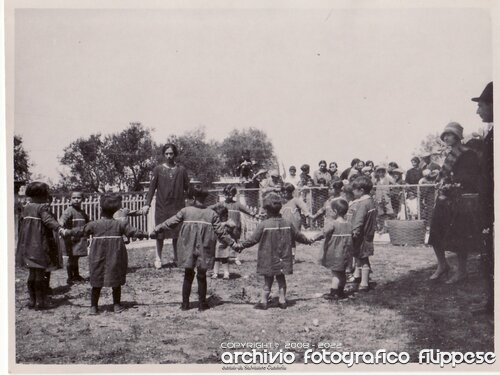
(108, 258)
(364, 224)
(196, 247)
(222, 250)
(235, 209)
(292, 210)
(326, 210)
(34, 246)
(275, 236)
(74, 217)
(337, 247)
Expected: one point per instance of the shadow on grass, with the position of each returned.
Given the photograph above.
(437, 315)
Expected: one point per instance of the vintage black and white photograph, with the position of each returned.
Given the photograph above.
(250, 186)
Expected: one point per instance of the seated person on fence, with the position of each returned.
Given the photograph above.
(337, 247)
(200, 226)
(274, 256)
(364, 218)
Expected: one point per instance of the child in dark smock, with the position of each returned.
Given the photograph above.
(108, 259)
(292, 210)
(35, 246)
(234, 214)
(200, 228)
(222, 250)
(364, 225)
(275, 236)
(337, 248)
(74, 217)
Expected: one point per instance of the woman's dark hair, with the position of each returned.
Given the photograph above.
(363, 183)
(167, 146)
(110, 203)
(333, 162)
(305, 168)
(37, 190)
(340, 205)
(355, 161)
(230, 190)
(415, 159)
(393, 164)
(370, 162)
(322, 162)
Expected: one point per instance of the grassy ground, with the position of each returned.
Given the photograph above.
(405, 312)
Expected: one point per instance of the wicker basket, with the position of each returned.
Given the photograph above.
(406, 232)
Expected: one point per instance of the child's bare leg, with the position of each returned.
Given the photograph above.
(225, 268)
(282, 290)
(443, 265)
(365, 274)
(266, 291)
(215, 272)
(159, 249)
(357, 270)
(174, 245)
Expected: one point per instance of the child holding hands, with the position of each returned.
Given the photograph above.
(275, 236)
(337, 247)
(108, 259)
(364, 225)
(34, 246)
(198, 235)
(74, 217)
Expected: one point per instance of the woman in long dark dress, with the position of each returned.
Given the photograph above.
(169, 181)
(455, 222)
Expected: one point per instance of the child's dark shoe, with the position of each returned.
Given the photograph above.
(330, 296)
(260, 306)
(117, 308)
(283, 305)
(78, 279)
(93, 310)
(203, 306)
(185, 306)
(364, 288)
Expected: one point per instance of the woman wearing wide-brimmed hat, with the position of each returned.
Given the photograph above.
(455, 222)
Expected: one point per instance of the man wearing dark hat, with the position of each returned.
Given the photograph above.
(485, 111)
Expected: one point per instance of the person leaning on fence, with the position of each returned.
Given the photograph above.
(337, 247)
(414, 174)
(199, 229)
(323, 173)
(455, 224)
(108, 258)
(74, 217)
(35, 248)
(292, 210)
(274, 256)
(364, 224)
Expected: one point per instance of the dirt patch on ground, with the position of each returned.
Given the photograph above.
(405, 312)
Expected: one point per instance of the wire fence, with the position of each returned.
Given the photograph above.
(394, 202)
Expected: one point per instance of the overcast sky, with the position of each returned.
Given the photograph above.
(323, 84)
